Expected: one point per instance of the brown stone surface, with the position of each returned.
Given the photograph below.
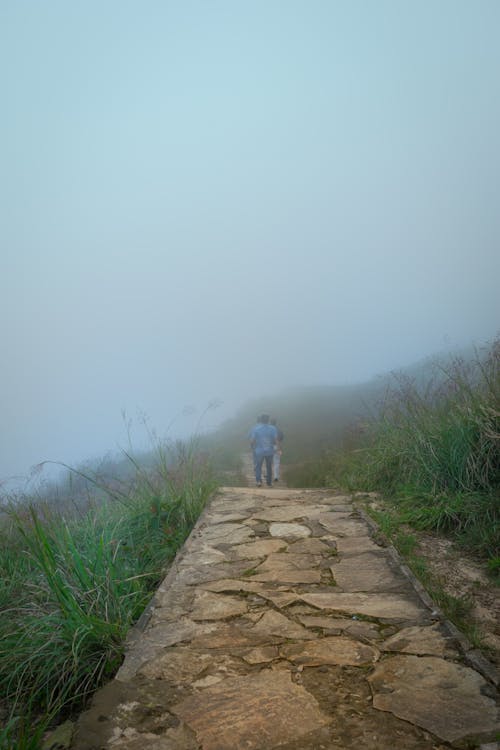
(210, 606)
(311, 546)
(355, 545)
(259, 548)
(428, 641)
(289, 568)
(289, 530)
(342, 526)
(230, 533)
(370, 571)
(381, 606)
(274, 623)
(290, 512)
(261, 654)
(176, 665)
(445, 698)
(333, 650)
(255, 712)
(249, 643)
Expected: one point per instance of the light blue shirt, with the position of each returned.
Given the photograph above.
(264, 437)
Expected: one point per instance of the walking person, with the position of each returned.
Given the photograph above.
(263, 438)
(277, 452)
(257, 423)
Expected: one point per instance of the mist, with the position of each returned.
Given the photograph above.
(212, 201)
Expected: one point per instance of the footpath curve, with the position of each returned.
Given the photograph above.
(282, 623)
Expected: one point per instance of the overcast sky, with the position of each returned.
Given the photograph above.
(216, 199)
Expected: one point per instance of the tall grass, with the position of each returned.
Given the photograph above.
(72, 584)
(435, 448)
(443, 437)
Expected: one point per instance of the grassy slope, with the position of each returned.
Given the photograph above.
(74, 579)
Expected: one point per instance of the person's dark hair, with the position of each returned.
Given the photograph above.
(265, 418)
(273, 421)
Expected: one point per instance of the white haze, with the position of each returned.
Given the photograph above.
(220, 200)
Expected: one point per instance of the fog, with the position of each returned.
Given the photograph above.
(219, 200)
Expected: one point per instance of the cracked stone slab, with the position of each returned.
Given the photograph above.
(216, 518)
(205, 556)
(289, 530)
(342, 526)
(289, 560)
(211, 606)
(349, 545)
(381, 606)
(231, 636)
(427, 640)
(258, 711)
(280, 599)
(233, 584)
(261, 655)
(274, 623)
(311, 546)
(155, 640)
(445, 698)
(290, 512)
(334, 650)
(288, 575)
(230, 533)
(259, 548)
(289, 568)
(179, 665)
(370, 571)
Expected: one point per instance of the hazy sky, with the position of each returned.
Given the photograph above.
(216, 199)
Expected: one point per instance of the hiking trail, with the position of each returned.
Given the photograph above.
(283, 623)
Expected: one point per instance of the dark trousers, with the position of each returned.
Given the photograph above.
(259, 459)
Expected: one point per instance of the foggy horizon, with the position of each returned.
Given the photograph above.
(219, 201)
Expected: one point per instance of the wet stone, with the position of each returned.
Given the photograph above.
(445, 698)
(334, 650)
(258, 711)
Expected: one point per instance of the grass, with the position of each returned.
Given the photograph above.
(73, 583)
(433, 448)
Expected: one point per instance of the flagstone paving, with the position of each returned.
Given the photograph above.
(283, 624)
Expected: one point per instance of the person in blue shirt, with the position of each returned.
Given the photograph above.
(263, 438)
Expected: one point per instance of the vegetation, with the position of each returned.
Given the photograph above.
(433, 447)
(74, 578)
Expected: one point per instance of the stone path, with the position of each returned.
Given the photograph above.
(284, 624)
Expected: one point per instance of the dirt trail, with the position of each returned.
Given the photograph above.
(283, 624)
